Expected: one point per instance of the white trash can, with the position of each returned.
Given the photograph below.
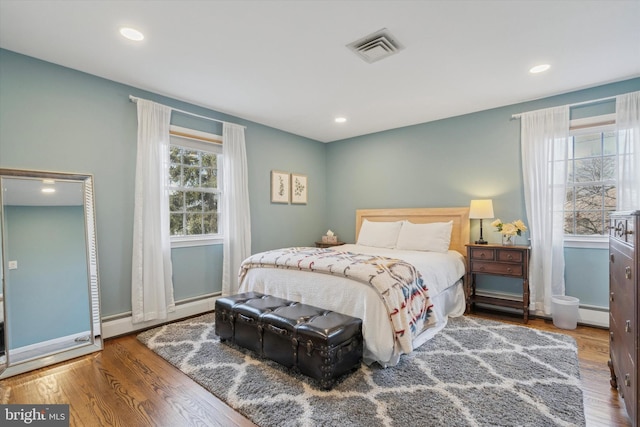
(565, 311)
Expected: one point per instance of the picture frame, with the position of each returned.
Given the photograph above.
(280, 187)
(299, 189)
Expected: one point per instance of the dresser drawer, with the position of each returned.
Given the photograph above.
(483, 254)
(621, 337)
(622, 283)
(626, 378)
(623, 229)
(505, 269)
(621, 299)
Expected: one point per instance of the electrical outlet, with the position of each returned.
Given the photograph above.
(13, 265)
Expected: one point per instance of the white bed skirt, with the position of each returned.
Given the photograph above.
(355, 299)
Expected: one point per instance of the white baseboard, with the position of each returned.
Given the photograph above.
(122, 325)
(119, 325)
(587, 314)
(593, 317)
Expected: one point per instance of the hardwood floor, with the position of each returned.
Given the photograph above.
(124, 385)
(128, 385)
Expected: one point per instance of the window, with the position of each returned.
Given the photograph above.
(591, 183)
(194, 188)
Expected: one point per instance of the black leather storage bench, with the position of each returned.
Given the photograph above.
(319, 343)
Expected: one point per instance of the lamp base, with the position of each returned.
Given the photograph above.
(481, 242)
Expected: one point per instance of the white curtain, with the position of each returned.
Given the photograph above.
(544, 140)
(236, 218)
(628, 125)
(151, 283)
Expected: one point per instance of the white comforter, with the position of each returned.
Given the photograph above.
(441, 272)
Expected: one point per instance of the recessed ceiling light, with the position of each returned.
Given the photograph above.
(48, 190)
(340, 119)
(539, 68)
(131, 34)
(48, 181)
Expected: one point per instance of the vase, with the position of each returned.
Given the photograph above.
(508, 239)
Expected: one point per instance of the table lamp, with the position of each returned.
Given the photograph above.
(481, 209)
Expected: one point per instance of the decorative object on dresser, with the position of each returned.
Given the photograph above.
(475, 372)
(498, 260)
(481, 209)
(624, 303)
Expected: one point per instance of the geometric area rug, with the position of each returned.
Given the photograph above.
(475, 372)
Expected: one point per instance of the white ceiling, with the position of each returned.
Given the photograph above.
(285, 63)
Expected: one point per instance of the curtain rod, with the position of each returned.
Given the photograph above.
(135, 99)
(593, 101)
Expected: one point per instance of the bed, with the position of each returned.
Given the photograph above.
(441, 269)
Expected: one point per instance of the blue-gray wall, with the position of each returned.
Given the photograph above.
(54, 118)
(49, 291)
(448, 163)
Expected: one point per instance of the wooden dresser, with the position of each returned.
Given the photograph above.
(624, 314)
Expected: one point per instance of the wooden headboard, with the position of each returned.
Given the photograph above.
(459, 216)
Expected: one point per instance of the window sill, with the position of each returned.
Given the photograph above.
(187, 242)
(587, 242)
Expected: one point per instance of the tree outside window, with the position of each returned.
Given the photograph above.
(193, 192)
(591, 184)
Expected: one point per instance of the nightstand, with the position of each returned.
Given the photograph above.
(498, 260)
(328, 245)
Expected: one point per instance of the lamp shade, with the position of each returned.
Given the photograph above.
(481, 209)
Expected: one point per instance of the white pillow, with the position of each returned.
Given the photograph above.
(379, 234)
(434, 237)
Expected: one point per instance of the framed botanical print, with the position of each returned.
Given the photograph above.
(299, 189)
(279, 187)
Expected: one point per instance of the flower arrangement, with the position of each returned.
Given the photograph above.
(509, 228)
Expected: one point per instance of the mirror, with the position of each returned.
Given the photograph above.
(49, 298)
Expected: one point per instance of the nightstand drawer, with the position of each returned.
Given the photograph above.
(494, 268)
(483, 254)
(510, 255)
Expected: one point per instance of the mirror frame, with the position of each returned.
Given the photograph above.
(95, 343)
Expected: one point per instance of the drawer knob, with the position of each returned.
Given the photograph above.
(627, 380)
(482, 255)
(509, 270)
(611, 297)
(481, 268)
(509, 257)
(627, 326)
(627, 272)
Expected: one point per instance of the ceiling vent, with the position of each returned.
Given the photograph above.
(376, 46)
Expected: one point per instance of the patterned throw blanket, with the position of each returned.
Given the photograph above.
(399, 284)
